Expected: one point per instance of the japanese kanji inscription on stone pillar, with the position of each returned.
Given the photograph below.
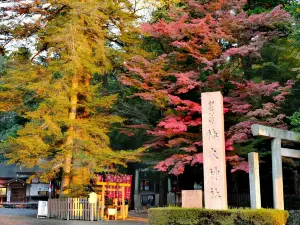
(214, 164)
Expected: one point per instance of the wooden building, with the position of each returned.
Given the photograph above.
(13, 186)
(152, 189)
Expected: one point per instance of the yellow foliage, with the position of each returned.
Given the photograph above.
(67, 113)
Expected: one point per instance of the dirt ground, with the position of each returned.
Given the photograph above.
(28, 217)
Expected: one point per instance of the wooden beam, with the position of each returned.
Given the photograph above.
(102, 203)
(113, 184)
(286, 152)
(270, 132)
(123, 203)
(99, 189)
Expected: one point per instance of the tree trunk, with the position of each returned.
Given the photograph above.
(247, 64)
(105, 81)
(66, 176)
(81, 175)
(163, 189)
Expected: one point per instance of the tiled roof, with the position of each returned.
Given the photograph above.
(13, 171)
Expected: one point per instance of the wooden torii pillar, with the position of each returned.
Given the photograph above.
(277, 152)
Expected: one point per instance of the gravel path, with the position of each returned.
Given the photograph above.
(28, 217)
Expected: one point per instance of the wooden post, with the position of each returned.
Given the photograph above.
(98, 207)
(277, 174)
(255, 198)
(68, 209)
(92, 211)
(59, 209)
(123, 203)
(78, 209)
(102, 201)
(49, 208)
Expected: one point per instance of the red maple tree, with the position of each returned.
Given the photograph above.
(206, 45)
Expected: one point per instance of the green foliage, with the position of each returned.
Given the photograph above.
(182, 216)
(9, 125)
(293, 7)
(3, 61)
(295, 121)
(258, 6)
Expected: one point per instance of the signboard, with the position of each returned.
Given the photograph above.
(50, 187)
(42, 209)
(119, 179)
(93, 197)
(214, 164)
(192, 199)
(8, 195)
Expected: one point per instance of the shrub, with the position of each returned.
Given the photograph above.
(195, 216)
(294, 218)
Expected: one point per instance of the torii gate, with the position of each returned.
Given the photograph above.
(277, 152)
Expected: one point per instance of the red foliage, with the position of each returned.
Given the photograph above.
(127, 132)
(207, 41)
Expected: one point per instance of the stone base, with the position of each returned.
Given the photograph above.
(192, 199)
(137, 201)
(156, 200)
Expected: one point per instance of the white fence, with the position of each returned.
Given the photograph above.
(74, 209)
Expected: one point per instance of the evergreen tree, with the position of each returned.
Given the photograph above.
(59, 92)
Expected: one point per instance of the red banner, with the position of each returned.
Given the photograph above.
(99, 178)
(119, 179)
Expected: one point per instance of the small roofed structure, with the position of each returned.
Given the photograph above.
(102, 187)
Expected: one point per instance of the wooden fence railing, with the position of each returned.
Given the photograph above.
(74, 209)
(238, 200)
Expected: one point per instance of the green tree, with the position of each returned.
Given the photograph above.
(295, 121)
(279, 59)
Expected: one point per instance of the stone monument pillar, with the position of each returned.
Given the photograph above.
(214, 164)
